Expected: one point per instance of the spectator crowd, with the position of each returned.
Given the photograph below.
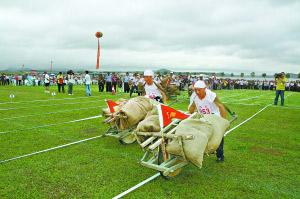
(133, 82)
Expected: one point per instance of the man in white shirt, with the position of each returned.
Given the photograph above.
(47, 82)
(87, 79)
(152, 89)
(207, 102)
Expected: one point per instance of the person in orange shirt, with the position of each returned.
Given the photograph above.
(60, 82)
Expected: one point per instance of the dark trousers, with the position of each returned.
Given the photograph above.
(61, 87)
(70, 88)
(108, 86)
(281, 93)
(159, 99)
(126, 87)
(220, 150)
(101, 87)
(114, 84)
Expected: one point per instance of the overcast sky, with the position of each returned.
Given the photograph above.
(238, 36)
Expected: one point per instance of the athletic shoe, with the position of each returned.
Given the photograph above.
(220, 160)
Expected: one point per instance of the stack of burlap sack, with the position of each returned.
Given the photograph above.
(207, 130)
(150, 123)
(130, 113)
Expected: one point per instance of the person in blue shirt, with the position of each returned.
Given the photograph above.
(126, 83)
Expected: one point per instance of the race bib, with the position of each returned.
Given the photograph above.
(152, 95)
(205, 110)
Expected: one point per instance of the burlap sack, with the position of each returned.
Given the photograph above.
(135, 111)
(193, 149)
(208, 131)
(149, 124)
(105, 112)
(152, 112)
(219, 125)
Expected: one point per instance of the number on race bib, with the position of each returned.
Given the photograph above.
(205, 110)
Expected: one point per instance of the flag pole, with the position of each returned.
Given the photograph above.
(163, 146)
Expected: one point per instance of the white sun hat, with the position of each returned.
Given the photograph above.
(200, 84)
(148, 73)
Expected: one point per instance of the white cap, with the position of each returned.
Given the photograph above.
(148, 73)
(200, 84)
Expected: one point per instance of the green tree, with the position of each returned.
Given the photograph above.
(298, 75)
(222, 74)
(264, 75)
(288, 75)
(252, 74)
(242, 74)
(231, 75)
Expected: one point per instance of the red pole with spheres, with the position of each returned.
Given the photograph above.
(98, 35)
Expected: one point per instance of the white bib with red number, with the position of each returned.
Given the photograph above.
(207, 105)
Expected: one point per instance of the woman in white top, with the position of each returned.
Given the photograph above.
(153, 90)
(207, 102)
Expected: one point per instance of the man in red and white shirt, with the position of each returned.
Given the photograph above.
(207, 102)
(153, 90)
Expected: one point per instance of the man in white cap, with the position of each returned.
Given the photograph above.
(207, 102)
(152, 89)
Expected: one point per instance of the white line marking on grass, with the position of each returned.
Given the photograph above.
(244, 104)
(158, 174)
(50, 149)
(47, 125)
(227, 132)
(46, 100)
(284, 107)
(245, 99)
(48, 113)
(270, 98)
(24, 107)
(231, 96)
(136, 186)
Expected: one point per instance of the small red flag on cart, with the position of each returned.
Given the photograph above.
(166, 114)
(111, 104)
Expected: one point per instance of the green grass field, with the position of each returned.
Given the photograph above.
(262, 157)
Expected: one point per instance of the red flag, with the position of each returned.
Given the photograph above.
(98, 55)
(111, 104)
(166, 114)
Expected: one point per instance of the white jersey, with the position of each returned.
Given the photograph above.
(87, 79)
(47, 78)
(152, 91)
(206, 105)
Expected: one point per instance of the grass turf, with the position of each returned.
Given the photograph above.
(261, 157)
